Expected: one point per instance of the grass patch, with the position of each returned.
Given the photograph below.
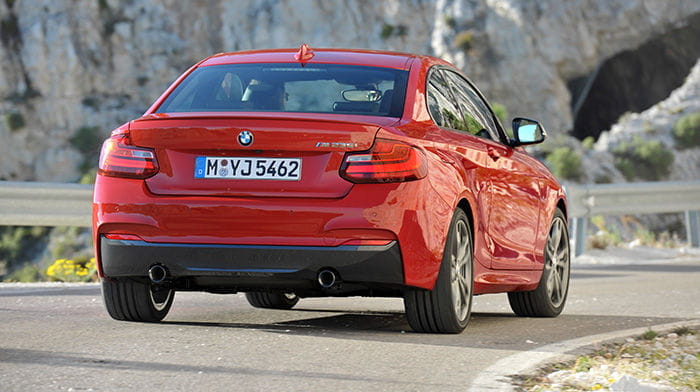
(650, 334)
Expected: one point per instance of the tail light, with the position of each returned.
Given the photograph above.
(119, 159)
(386, 161)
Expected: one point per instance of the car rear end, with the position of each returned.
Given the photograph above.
(261, 172)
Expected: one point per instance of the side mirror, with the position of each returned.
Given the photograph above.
(527, 131)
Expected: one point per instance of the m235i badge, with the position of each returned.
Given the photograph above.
(335, 145)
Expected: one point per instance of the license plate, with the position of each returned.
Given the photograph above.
(248, 168)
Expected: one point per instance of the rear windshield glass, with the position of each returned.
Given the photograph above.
(313, 88)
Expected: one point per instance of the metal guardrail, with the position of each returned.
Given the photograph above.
(586, 201)
(60, 204)
(45, 204)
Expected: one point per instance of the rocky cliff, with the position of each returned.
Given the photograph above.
(72, 70)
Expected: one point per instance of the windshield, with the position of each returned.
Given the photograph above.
(291, 87)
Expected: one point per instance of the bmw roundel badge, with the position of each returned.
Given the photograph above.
(245, 138)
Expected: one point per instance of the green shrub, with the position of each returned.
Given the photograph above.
(390, 30)
(645, 159)
(464, 40)
(588, 143)
(86, 139)
(91, 102)
(88, 177)
(17, 243)
(450, 21)
(401, 30)
(14, 121)
(28, 273)
(603, 179)
(687, 131)
(9, 31)
(387, 31)
(565, 163)
(604, 238)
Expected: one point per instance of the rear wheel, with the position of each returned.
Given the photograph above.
(131, 300)
(446, 308)
(272, 300)
(549, 298)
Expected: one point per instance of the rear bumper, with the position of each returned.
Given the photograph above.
(410, 213)
(254, 266)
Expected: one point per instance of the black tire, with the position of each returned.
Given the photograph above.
(549, 298)
(131, 300)
(447, 308)
(272, 300)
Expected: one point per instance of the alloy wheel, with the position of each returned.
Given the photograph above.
(557, 262)
(461, 274)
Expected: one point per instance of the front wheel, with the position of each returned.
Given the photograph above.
(446, 308)
(549, 298)
(131, 300)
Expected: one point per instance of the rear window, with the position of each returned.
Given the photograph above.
(312, 88)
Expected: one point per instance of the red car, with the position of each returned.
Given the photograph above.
(291, 173)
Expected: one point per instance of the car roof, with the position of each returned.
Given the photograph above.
(375, 58)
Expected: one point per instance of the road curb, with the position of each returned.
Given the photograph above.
(496, 376)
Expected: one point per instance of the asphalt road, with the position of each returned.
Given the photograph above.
(61, 338)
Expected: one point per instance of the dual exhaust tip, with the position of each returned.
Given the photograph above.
(157, 273)
(327, 278)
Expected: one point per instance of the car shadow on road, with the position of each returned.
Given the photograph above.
(485, 330)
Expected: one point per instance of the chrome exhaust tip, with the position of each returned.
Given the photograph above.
(327, 278)
(157, 273)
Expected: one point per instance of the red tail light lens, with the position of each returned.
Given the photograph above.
(118, 159)
(386, 161)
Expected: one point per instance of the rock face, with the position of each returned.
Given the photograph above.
(72, 66)
(657, 123)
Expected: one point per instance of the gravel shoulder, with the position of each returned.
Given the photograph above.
(650, 362)
(667, 360)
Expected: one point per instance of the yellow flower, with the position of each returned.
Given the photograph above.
(82, 272)
(51, 271)
(596, 387)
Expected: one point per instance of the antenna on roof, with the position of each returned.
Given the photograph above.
(304, 54)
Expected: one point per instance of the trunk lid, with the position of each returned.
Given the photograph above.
(318, 143)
